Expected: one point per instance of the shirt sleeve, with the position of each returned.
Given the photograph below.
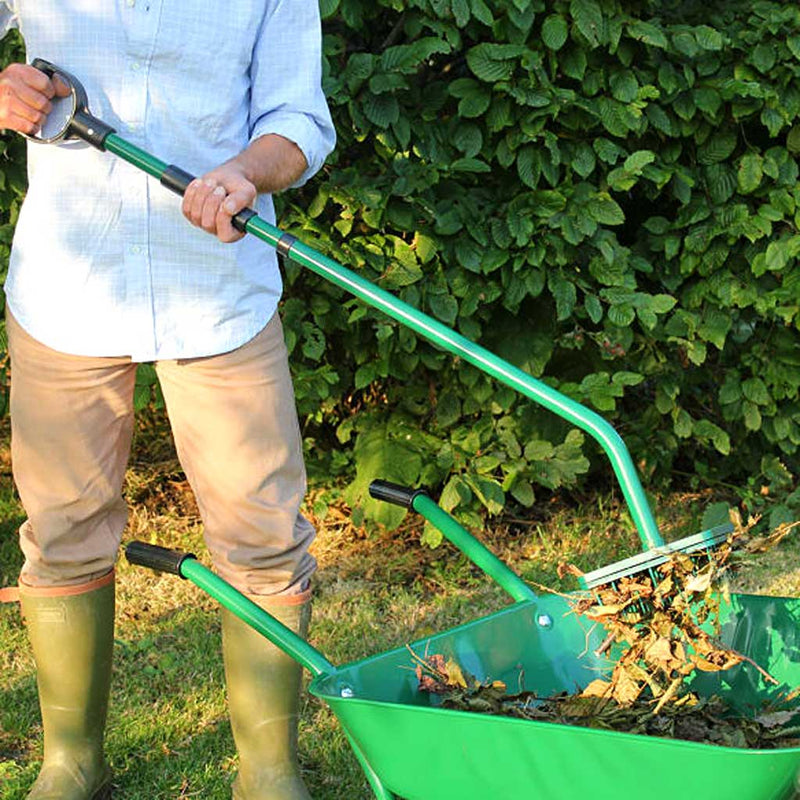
(8, 16)
(286, 82)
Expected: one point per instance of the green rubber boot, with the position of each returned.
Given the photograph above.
(72, 635)
(263, 699)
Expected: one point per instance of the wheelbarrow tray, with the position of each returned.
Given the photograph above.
(422, 752)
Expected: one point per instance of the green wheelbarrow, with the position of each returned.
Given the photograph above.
(412, 749)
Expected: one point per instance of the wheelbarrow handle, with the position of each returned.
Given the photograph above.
(161, 559)
(420, 501)
(187, 566)
(394, 493)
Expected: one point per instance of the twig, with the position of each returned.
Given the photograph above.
(394, 33)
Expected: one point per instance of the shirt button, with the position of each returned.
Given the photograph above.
(135, 249)
(130, 3)
(136, 66)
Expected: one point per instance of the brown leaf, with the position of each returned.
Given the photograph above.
(598, 688)
(568, 569)
(659, 651)
(775, 719)
(599, 612)
(700, 582)
(455, 677)
(626, 688)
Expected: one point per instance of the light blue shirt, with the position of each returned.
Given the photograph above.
(103, 262)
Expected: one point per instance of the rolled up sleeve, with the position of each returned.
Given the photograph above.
(8, 16)
(286, 82)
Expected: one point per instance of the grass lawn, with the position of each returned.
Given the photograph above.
(168, 734)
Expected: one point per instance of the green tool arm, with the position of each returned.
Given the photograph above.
(187, 566)
(102, 137)
(419, 501)
(427, 327)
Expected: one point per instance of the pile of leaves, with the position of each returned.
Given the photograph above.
(661, 628)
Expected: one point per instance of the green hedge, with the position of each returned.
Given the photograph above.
(604, 193)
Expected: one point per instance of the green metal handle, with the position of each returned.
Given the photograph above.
(187, 566)
(446, 338)
(475, 551)
(99, 135)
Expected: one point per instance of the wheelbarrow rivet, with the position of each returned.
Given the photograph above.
(544, 621)
(346, 691)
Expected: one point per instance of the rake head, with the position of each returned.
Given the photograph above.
(650, 559)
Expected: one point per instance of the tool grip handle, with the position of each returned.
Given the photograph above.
(177, 180)
(45, 66)
(394, 493)
(158, 558)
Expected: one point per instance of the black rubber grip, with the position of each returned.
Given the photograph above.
(176, 179)
(93, 131)
(154, 557)
(44, 66)
(394, 493)
(240, 220)
(83, 124)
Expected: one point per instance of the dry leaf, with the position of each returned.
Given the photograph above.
(598, 688)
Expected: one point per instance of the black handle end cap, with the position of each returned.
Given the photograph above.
(158, 558)
(394, 493)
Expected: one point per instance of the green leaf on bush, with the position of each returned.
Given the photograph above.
(522, 492)
(528, 165)
(719, 147)
(379, 455)
(647, 33)
(624, 86)
(327, 8)
(573, 62)
(488, 491)
(583, 161)
(594, 307)
(381, 109)
(481, 12)
(444, 306)
(751, 172)
(564, 293)
(588, 19)
(763, 57)
(755, 390)
(454, 493)
(554, 31)
(470, 165)
(461, 12)
(752, 416)
(493, 62)
(708, 38)
(468, 138)
(605, 210)
(475, 97)
(682, 424)
(705, 429)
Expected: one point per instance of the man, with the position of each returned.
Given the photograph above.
(105, 273)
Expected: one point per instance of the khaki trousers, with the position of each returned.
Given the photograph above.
(235, 427)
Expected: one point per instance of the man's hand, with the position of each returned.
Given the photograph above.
(270, 164)
(210, 202)
(25, 95)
